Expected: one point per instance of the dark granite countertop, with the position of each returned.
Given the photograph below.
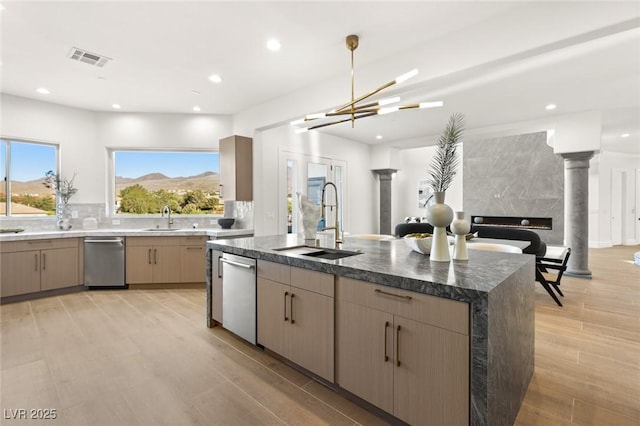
(392, 263)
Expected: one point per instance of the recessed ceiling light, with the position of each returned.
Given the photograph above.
(196, 108)
(215, 78)
(101, 77)
(42, 91)
(550, 107)
(115, 106)
(625, 135)
(195, 92)
(273, 45)
(379, 137)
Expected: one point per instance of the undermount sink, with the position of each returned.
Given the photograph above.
(318, 252)
(160, 229)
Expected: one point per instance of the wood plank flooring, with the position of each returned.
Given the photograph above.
(145, 357)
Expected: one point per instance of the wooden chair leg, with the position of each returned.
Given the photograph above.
(543, 281)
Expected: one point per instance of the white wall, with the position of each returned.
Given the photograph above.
(413, 166)
(84, 136)
(361, 183)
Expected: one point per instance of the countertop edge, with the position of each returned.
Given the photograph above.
(209, 232)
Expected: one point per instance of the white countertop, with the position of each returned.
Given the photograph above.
(211, 232)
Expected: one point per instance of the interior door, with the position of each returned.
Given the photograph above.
(616, 207)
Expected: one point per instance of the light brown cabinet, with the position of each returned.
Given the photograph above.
(153, 260)
(38, 265)
(193, 259)
(236, 168)
(406, 353)
(296, 316)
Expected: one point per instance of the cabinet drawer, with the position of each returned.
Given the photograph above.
(448, 314)
(317, 282)
(274, 271)
(196, 240)
(153, 241)
(52, 243)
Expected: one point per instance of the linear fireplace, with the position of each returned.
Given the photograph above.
(514, 221)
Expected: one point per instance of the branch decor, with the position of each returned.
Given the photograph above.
(64, 188)
(443, 165)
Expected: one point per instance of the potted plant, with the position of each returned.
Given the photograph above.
(64, 190)
(440, 175)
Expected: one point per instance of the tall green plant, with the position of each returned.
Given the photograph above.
(443, 165)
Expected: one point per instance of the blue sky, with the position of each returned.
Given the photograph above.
(31, 161)
(133, 164)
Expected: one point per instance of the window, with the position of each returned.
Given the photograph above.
(23, 166)
(145, 181)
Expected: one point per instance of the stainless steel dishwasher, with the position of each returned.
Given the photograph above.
(104, 262)
(239, 296)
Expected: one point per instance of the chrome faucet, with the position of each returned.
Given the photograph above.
(336, 226)
(167, 210)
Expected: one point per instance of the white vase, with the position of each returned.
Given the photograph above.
(460, 228)
(439, 216)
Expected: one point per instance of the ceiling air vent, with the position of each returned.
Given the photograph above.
(88, 57)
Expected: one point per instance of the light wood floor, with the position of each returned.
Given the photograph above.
(145, 357)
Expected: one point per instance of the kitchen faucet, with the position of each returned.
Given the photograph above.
(336, 226)
(167, 210)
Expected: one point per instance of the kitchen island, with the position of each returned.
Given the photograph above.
(496, 289)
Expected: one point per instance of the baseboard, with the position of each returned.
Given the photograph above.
(600, 244)
(631, 242)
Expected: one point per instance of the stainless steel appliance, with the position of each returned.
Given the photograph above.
(239, 296)
(104, 262)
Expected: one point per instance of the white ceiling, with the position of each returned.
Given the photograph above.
(498, 62)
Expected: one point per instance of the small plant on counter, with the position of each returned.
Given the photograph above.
(64, 188)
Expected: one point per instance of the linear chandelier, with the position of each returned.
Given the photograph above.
(354, 110)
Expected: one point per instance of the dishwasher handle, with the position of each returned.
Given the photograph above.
(104, 241)
(231, 262)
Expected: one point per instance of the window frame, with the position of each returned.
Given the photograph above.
(111, 184)
(7, 183)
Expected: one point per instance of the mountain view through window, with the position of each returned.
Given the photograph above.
(188, 182)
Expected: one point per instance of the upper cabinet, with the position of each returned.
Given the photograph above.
(236, 168)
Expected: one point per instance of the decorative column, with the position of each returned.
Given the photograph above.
(385, 176)
(576, 211)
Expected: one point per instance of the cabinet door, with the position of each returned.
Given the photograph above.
(311, 332)
(227, 168)
(216, 286)
(59, 268)
(139, 264)
(431, 384)
(20, 273)
(193, 264)
(167, 264)
(365, 353)
(273, 316)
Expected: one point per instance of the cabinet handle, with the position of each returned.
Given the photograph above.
(291, 308)
(386, 325)
(149, 257)
(219, 267)
(155, 256)
(286, 293)
(194, 248)
(44, 261)
(377, 290)
(398, 346)
(35, 257)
